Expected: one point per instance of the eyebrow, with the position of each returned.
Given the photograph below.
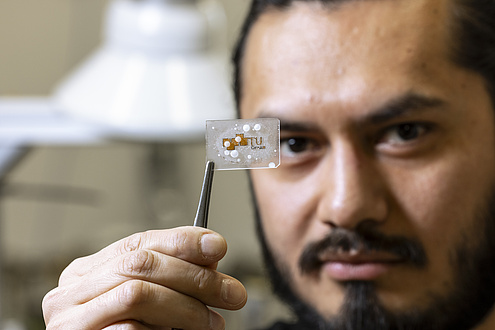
(392, 109)
(293, 126)
(297, 126)
(403, 105)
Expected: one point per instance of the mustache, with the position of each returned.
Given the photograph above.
(364, 240)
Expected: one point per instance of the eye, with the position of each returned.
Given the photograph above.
(297, 145)
(403, 133)
(300, 148)
(408, 132)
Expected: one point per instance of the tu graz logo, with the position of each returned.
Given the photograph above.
(241, 141)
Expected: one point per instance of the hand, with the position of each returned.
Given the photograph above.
(153, 280)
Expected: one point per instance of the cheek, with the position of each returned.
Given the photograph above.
(443, 200)
(287, 211)
(284, 209)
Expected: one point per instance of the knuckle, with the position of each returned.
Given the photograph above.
(137, 263)
(53, 305)
(178, 242)
(203, 279)
(72, 270)
(49, 302)
(184, 243)
(49, 299)
(132, 243)
(132, 294)
(54, 298)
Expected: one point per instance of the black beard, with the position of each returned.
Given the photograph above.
(471, 299)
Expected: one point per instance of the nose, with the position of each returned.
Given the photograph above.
(352, 189)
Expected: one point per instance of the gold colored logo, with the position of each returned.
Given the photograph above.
(241, 141)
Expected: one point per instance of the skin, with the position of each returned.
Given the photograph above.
(329, 74)
(152, 280)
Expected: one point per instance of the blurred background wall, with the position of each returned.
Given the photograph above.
(61, 203)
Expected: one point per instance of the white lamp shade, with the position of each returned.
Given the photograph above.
(157, 86)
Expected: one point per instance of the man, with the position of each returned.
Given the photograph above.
(381, 215)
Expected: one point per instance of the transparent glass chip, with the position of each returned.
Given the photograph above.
(243, 143)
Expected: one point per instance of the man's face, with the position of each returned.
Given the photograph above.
(381, 133)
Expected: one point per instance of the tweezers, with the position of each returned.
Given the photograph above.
(201, 219)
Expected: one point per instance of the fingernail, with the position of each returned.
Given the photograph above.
(212, 245)
(216, 321)
(231, 293)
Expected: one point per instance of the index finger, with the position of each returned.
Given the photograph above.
(196, 245)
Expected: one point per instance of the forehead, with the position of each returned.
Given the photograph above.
(320, 51)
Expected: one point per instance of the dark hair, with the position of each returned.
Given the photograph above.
(473, 42)
(473, 45)
(257, 8)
